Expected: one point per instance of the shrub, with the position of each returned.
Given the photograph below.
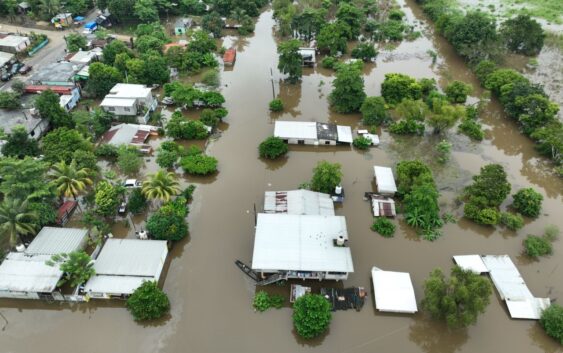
(311, 315)
(148, 302)
(261, 301)
(443, 148)
(188, 193)
(407, 127)
(396, 87)
(471, 129)
(537, 246)
(365, 52)
(106, 151)
(551, 232)
(199, 164)
(362, 143)
(277, 300)
(211, 78)
(484, 69)
(528, 202)
(457, 92)
(128, 160)
(384, 227)
(552, 322)
(208, 117)
(137, 201)
(488, 216)
(77, 267)
(272, 148)
(166, 158)
(329, 62)
(326, 177)
(511, 221)
(167, 224)
(373, 111)
(491, 184)
(348, 93)
(276, 105)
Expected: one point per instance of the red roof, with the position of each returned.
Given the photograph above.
(140, 137)
(230, 56)
(66, 208)
(41, 88)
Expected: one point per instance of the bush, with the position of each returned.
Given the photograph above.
(491, 184)
(384, 227)
(471, 129)
(552, 322)
(276, 105)
(148, 302)
(511, 221)
(128, 160)
(407, 127)
(373, 111)
(551, 232)
(311, 315)
(537, 246)
(272, 148)
(165, 158)
(528, 202)
(199, 164)
(348, 93)
(396, 87)
(211, 78)
(365, 52)
(263, 301)
(457, 92)
(329, 62)
(488, 216)
(167, 224)
(188, 193)
(362, 143)
(106, 151)
(137, 201)
(326, 177)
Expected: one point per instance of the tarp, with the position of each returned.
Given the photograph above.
(393, 291)
(91, 25)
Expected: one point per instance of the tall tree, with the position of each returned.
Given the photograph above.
(523, 34)
(47, 103)
(70, 180)
(24, 178)
(161, 186)
(326, 177)
(348, 93)
(19, 144)
(16, 219)
(102, 79)
(290, 61)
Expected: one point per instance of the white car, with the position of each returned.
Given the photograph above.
(132, 183)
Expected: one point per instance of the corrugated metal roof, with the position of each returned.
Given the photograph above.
(127, 133)
(299, 202)
(300, 243)
(296, 130)
(22, 273)
(383, 206)
(520, 301)
(131, 257)
(385, 180)
(53, 240)
(393, 291)
(471, 262)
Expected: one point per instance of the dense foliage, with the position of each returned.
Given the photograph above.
(552, 322)
(384, 227)
(148, 302)
(373, 111)
(396, 87)
(457, 300)
(263, 301)
(136, 202)
(311, 315)
(77, 267)
(362, 142)
(528, 202)
(168, 223)
(272, 148)
(326, 177)
(348, 93)
(276, 105)
(457, 91)
(199, 164)
(107, 198)
(537, 246)
(290, 61)
(511, 221)
(523, 35)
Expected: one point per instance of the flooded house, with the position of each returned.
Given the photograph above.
(298, 202)
(57, 74)
(123, 265)
(312, 133)
(308, 56)
(130, 100)
(28, 118)
(129, 134)
(25, 275)
(182, 25)
(384, 180)
(14, 44)
(85, 57)
(381, 206)
(393, 291)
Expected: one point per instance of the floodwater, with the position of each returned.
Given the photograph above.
(211, 298)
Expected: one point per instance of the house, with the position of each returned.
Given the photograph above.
(129, 99)
(182, 25)
(381, 206)
(14, 44)
(5, 58)
(69, 101)
(62, 20)
(24, 7)
(393, 291)
(290, 246)
(129, 134)
(85, 57)
(25, 274)
(230, 57)
(28, 118)
(384, 181)
(312, 133)
(124, 264)
(307, 56)
(298, 202)
(56, 74)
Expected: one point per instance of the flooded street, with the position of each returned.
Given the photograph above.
(211, 298)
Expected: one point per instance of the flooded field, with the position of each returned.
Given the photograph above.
(210, 297)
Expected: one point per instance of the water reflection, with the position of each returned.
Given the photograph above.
(434, 337)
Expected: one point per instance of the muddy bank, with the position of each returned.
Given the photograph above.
(211, 298)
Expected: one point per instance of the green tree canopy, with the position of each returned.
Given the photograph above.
(373, 111)
(148, 302)
(60, 144)
(290, 61)
(348, 93)
(68, 179)
(19, 144)
(16, 219)
(107, 198)
(272, 148)
(102, 79)
(161, 186)
(75, 42)
(311, 315)
(77, 267)
(49, 107)
(552, 321)
(326, 177)
(523, 35)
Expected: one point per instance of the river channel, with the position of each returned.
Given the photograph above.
(211, 298)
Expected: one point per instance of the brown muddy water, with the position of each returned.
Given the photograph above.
(211, 298)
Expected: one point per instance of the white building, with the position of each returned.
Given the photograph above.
(393, 291)
(308, 56)
(5, 58)
(312, 133)
(25, 275)
(129, 99)
(124, 264)
(85, 57)
(302, 246)
(384, 180)
(298, 202)
(14, 44)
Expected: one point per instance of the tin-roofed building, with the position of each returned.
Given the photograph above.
(128, 134)
(129, 99)
(124, 264)
(25, 275)
(312, 133)
(298, 202)
(302, 246)
(14, 44)
(56, 74)
(384, 180)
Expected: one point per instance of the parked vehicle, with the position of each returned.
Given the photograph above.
(15, 68)
(25, 69)
(122, 208)
(5, 76)
(132, 183)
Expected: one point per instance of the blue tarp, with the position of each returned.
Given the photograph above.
(79, 18)
(91, 25)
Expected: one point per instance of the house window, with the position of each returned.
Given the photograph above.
(127, 109)
(327, 142)
(301, 142)
(111, 109)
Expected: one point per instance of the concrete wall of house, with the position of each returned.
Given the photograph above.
(122, 110)
(40, 129)
(18, 295)
(314, 142)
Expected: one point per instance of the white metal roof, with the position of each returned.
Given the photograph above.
(296, 130)
(511, 287)
(385, 180)
(114, 284)
(471, 262)
(5, 57)
(24, 273)
(344, 133)
(303, 202)
(13, 40)
(109, 101)
(300, 243)
(53, 240)
(393, 291)
(131, 257)
(127, 90)
(85, 56)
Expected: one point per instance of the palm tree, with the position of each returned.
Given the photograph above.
(16, 219)
(68, 179)
(161, 185)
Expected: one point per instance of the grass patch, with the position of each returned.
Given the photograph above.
(549, 10)
(554, 40)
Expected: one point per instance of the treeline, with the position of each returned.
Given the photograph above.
(475, 37)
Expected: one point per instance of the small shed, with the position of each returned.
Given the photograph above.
(124, 264)
(230, 57)
(384, 180)
(393, 291)
(381, 206)
(304, 202)
(307, 56)
(14, 44)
